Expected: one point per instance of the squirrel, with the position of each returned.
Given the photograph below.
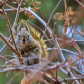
(29, 41)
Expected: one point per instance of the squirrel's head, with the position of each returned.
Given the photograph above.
(24, 36)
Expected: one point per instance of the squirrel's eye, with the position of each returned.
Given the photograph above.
(18, 35)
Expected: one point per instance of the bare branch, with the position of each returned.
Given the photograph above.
(79, 3)
(53, 12)
(7, 42)
(17, 14)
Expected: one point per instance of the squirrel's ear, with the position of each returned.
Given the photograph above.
(18, 28)
(27, 27)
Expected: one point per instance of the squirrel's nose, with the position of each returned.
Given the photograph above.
(24, 39)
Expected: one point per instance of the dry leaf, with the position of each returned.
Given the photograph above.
(25, 80)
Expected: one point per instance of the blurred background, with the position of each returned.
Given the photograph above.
(46, 7)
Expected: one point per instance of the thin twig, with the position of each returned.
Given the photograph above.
(7, 42)
(9, 26)
(11, 7)
(79, 3)
(70, 79)
(14, 77)
(5, 59)
(68, 51)
(35, 26)
(3, 3)
(17, 14)
(53, 12)
(41, 14)
(3, 48)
